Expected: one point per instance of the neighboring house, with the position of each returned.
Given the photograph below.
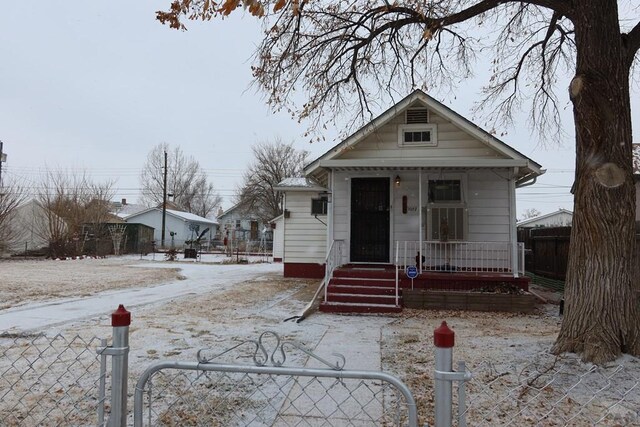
(30, 227)
(181, 224)
(559, 218)
(419, 181)
(123, 209)
(241, 225)
(636, 176)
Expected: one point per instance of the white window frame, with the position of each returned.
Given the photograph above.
(465, 220)
(462, 204)
(419, 127)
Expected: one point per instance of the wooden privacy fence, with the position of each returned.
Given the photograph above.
(547, 251)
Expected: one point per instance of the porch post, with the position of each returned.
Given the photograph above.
(420, 219)
(513, 233)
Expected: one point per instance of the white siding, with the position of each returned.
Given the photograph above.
(305, 237)
(486, 195)
(452, 143)
(278, 238)
(488, 206)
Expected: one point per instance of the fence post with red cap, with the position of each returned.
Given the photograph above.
(444, 375)
(120, 321)
(443, 339)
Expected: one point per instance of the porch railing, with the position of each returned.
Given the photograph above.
(332, 261)
(468, 257)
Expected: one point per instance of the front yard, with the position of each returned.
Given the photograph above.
(515, 379)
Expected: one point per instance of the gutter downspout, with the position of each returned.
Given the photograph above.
(512, 224)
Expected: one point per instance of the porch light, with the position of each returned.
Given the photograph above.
(397, 180)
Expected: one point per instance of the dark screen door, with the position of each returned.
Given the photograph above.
(370, 220)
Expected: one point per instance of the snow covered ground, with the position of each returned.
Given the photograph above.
(180, 307)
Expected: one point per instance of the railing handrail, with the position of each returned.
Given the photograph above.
(468, 256)
(397, 272)
(330, 264)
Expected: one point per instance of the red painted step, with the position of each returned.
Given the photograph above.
(362, 290)
(339, 307)
(363, 299)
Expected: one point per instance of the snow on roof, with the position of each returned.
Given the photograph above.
(123, 211)
(298, 183)
(636, 159)
(545, 216)
(190, 217)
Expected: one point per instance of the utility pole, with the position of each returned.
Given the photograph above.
(164, 199)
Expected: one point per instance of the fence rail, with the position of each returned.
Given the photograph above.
(269, 393)
(469, 257)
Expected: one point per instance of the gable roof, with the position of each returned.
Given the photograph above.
(545, 216)
(185, 216)
(241, 210)
(124, 211)
(514, 157)
(299, 184)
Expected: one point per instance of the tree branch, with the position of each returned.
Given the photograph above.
(631, 43)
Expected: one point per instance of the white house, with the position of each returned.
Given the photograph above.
(419, 181)
(179, 226)
(559, 218)
(240, 224)
(30, 227)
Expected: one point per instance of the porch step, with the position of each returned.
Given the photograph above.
(359, 281)
(360, 290)
(365, 273)
(362, 299)
(341, 307)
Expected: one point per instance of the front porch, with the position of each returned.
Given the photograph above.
(446, 266)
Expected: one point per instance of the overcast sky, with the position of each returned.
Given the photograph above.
(96, 85)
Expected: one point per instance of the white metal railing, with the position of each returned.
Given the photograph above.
(460, 256)
(332, 261)
(397, 272)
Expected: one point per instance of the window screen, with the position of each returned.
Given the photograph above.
(445, 190)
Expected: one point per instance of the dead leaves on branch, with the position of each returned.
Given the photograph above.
(205, 10)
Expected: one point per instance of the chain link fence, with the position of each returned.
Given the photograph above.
(51, 380)
(554, 391)
(268, 393)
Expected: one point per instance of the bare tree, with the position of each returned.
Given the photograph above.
(70, 202)
(272, 162)
(12, 195)
(186, 181)
(373, 47)
(530, 213)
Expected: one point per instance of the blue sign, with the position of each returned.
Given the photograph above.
(412, 272)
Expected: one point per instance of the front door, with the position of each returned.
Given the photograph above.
(370, 220)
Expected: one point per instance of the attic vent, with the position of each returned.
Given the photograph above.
(418, 115)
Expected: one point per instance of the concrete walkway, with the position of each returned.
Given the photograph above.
(328, 401)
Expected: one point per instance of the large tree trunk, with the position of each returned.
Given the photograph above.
(601, 319)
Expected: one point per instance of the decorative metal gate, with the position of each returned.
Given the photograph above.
(214, 392)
